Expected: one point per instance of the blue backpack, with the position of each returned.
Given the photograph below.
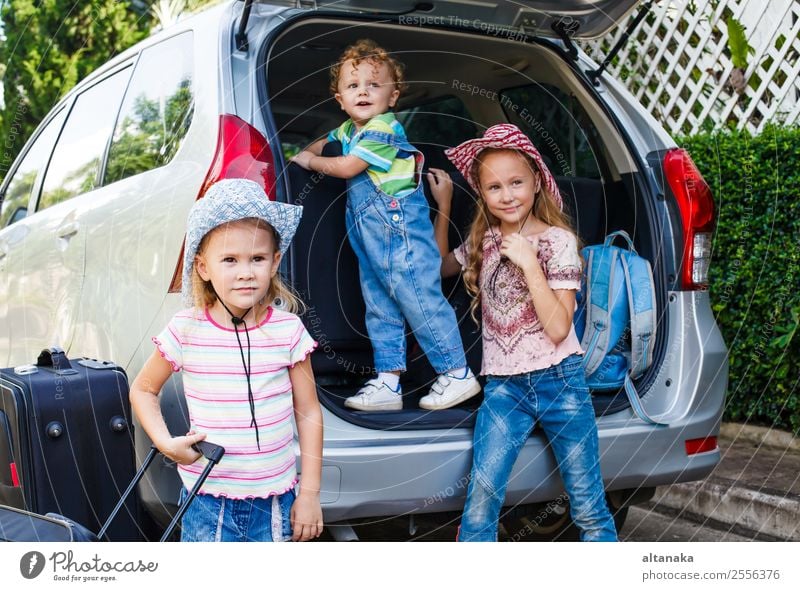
(616, 318)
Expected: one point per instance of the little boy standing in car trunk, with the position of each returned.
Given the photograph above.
(389, 227)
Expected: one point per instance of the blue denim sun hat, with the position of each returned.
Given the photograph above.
(230, 200)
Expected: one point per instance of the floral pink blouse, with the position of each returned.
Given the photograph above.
(514, 341)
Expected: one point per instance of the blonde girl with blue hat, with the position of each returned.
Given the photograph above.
(246, 373)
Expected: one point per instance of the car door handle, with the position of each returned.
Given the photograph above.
(67, 229)
(3, 250)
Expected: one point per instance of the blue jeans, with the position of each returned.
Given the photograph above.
(217, 519)
(558, 398)
(399, 264)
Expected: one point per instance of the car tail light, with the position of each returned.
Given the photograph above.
(698, 446)
(242, 152)
(696, 205)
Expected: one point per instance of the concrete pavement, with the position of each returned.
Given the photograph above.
(754, 490)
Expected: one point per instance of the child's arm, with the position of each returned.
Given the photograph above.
(144, 401)
(303, 156)
(553, 307)
(450, 265)
(442, 189)
(306, 514)
(343, 167)
(316, 147)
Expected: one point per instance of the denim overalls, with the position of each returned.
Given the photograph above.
(399, 265)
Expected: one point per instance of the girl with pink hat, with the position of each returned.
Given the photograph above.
(521, 266)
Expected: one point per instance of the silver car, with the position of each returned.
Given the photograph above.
(94, 209)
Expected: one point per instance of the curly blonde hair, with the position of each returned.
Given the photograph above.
(279, 293)
(368, 50)
(544, 208)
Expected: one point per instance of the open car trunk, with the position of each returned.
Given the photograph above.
(452, 96)
(584, 19)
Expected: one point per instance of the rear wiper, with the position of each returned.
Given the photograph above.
(564, 28)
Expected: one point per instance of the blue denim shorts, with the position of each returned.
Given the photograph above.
(219, 519)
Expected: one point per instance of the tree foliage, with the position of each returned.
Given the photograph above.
(147, 137)
(756, 267)
(49, 46)
(737, 44)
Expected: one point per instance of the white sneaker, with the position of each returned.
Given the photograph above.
(448, 391)
(375, 395)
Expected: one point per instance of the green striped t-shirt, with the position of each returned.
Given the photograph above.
(392, 175)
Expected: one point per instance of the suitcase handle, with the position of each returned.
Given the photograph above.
(213, 453)
(53, 357)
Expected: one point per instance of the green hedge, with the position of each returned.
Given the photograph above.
(755, 273)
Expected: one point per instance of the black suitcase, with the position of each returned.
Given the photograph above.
(66, 441)
(17, 525)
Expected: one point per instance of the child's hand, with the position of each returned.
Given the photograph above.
(306, 517)
(303, 158)
(441, 188)
(179, 449)
(521, 251)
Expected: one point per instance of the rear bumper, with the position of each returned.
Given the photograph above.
(433, 477)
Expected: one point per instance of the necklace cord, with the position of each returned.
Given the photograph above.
(492, 283)
(236, 320)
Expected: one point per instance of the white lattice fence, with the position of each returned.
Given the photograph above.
(678, 65)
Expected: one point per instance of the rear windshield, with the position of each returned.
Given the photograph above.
(558, 126)
(443, 122)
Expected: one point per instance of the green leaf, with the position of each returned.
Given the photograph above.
(737, 44)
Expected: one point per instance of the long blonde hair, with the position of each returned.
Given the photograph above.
(278, 294)
(545, 210)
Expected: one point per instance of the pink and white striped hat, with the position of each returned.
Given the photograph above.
(501, 136)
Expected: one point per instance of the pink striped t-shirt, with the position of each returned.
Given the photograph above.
(215, 387)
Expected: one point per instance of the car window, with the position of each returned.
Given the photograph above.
(19, 189)
(76, 160)
(444, 122)
(156, 111)
(557, 125)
